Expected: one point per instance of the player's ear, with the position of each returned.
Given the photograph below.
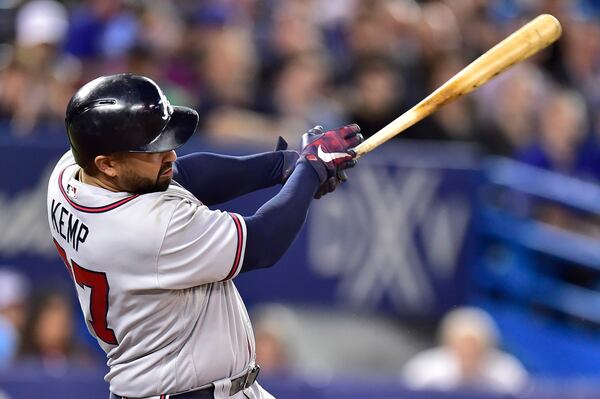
(106, 165)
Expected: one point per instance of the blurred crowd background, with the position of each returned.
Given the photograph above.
(256, 69)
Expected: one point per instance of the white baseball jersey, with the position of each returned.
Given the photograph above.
(153, 275)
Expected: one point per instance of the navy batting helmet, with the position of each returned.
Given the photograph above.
(125, 113)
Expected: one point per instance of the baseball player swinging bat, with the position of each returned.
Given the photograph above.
(528, 40)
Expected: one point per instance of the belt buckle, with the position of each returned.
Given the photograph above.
(249, 374)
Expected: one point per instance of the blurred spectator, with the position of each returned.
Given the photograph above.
(468, 358)
(49, 335)
(291, 29)
(276, 349)
(302, 93)
(479, 31)
(14, 294)
(41, 21)
(271, 349)
(405, 19)
(562, 146)
(440, 31)
(160, 27)
(226, 70)
(562, 128)
(161, 53)
(453, 121)
(37, 83)
(590, 149)
(376, 95)
(101, 29)
(507, 109)
(371, 33)
(581, 60)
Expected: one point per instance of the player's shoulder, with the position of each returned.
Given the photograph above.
(174, 200)
(184, 207)
(176, 192)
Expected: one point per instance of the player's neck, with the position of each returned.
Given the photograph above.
(97, 181)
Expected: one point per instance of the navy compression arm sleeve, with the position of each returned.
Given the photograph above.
(275, 225)
(215, 178)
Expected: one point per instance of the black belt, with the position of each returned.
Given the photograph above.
(237, 384)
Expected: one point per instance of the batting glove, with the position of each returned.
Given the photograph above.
(329, 153)
(289, 159)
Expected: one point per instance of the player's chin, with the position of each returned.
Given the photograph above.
(162, 183)
(146, 186)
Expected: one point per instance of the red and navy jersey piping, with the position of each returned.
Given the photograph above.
(240, 243)
(88, 209)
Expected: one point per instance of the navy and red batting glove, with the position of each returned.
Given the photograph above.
(330, 153)
(290, 158)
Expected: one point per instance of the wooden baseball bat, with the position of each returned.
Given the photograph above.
(528, 40)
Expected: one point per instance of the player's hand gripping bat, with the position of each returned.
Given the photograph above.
(528, 40)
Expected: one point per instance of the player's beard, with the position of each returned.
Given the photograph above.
(137, 184)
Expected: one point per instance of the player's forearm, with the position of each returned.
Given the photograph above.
(214, 178)
(273, 228)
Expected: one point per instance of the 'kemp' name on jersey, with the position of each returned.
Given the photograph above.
(68, 226)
